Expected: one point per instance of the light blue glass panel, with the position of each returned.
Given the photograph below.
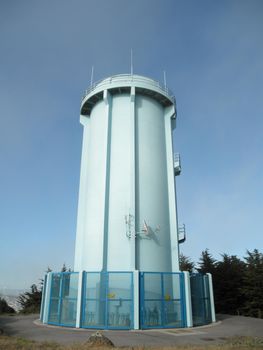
(68, 312)
(208, 316)
(56, 279)
(53, 311)
(152, 314)
(206, 286)
(93, 285)
(119, 286)
(94, 313)
(200, 299)
(70, 285)
(172, 314)
(152, 286)
(119, 314)
(171, 286)
(207, 303)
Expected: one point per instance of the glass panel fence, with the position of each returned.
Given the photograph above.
(201, 306)
(173, 314)
(55, 285)
(171, 286)
(108, 300)
(152, 313)
(119, 314)
(152, 286)
(162, 300)
(63, 299)
(54, 311)
(94, 314)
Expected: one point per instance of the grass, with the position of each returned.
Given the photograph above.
(12, 343)
(242, 343)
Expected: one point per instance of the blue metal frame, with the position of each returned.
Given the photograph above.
(60, 298)
(171, 311)
(199, 297)
(51, 288)
(84, 300)
(183, 303)
(162, 300)
(107, 301)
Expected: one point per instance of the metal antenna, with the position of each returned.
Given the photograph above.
(131, 62)
(91, 76)
(164, 79)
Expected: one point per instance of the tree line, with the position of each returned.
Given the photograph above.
(238, 284)
(30, 301)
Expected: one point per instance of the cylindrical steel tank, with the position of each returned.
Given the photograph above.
(127, 206)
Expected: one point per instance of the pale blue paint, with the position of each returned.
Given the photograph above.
(127, 173)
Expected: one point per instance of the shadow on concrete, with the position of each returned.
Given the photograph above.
(222, 317)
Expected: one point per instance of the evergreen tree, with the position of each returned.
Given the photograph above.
(186, 264)
(228, 276)
(206, 262)
(253, 284)
(64, 268)
(5, 308)
(30, 301)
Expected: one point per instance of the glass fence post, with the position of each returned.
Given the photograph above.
(44, 287)
(211, 295)
(187, 297)
(163, 306)
(62, 274)
(47, 298)
(136, 301)
(80, 299)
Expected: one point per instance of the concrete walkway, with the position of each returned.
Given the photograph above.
(227, 326)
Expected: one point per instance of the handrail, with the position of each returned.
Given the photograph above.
(181, 233)
(129, 78)
(177, 157)
(181, 228)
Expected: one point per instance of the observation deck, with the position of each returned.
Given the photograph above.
(122, 83)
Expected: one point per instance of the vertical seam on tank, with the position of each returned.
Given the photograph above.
(176, 218)
(82, 202)
(167, 180)
(85, 194)
(107, 184)
(169, 184)
(175, 202)
(136, 184)
(133, 170)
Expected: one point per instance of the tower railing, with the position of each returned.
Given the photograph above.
(181, 233)
(177, 164)
(129, 78)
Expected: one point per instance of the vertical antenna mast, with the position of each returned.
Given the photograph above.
(91, 76)
(131, 62)
(164, 80)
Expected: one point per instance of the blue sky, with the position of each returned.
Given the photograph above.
(212, 52)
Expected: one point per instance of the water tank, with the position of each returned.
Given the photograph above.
(127, 206)
(126, 273)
